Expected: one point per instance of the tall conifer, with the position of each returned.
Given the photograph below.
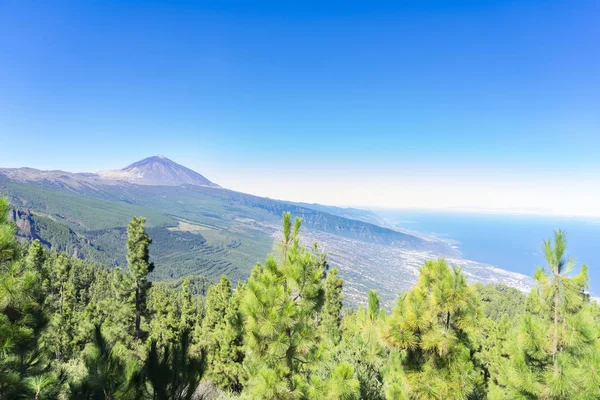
(138, 261)
(554, 352)
(280, 306)
(331, 318)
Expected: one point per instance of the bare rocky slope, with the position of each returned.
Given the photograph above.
(157, 171)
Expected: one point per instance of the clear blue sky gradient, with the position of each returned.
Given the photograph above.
(501, 89)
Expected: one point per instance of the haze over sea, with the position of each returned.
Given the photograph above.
(508, 241)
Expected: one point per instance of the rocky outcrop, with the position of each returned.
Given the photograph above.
(24, 222)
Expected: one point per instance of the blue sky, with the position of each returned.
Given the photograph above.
(492, 104)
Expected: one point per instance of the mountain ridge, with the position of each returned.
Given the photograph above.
(153, 171)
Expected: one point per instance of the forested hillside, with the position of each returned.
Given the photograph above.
(199, 228)
(70, 329)
(228, 231)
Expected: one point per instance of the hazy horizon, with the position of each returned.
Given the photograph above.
(254, 187)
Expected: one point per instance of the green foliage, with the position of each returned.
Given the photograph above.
(373, 305)
(224, 342)
(174, 374)
(22, 320)
(220, 335)
(342, 384)
(111, 374)
(500, 301)
(197, 284)
(167, 317)
(430, 334)
(72, 329)
(138, 261)
(554, 350)
(9, 248)
(92, 224)
(361, 346)
(280, 306)
(331, 319)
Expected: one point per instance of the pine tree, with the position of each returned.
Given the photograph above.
(341, 385)
(280, 306)
(111, 374)
(429, 334)
(138, 261)
(62, 267)
(36, 256)
(112, 305)
(331, 318)
(165, 322)
(61, 331)
(43, 386)
(361, 347)
(215, 306)
(284, 334)
(187, 307)
(227, 354)
(373, 306)
(9, 247)
(173, 372)
(555, 351)
(22, 319)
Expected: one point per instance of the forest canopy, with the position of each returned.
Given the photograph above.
(71, 329)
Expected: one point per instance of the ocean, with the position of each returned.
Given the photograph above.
(511, 242)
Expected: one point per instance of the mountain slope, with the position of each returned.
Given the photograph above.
(206, 230)
(347, 212)
(154, 171)
(157, 171)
